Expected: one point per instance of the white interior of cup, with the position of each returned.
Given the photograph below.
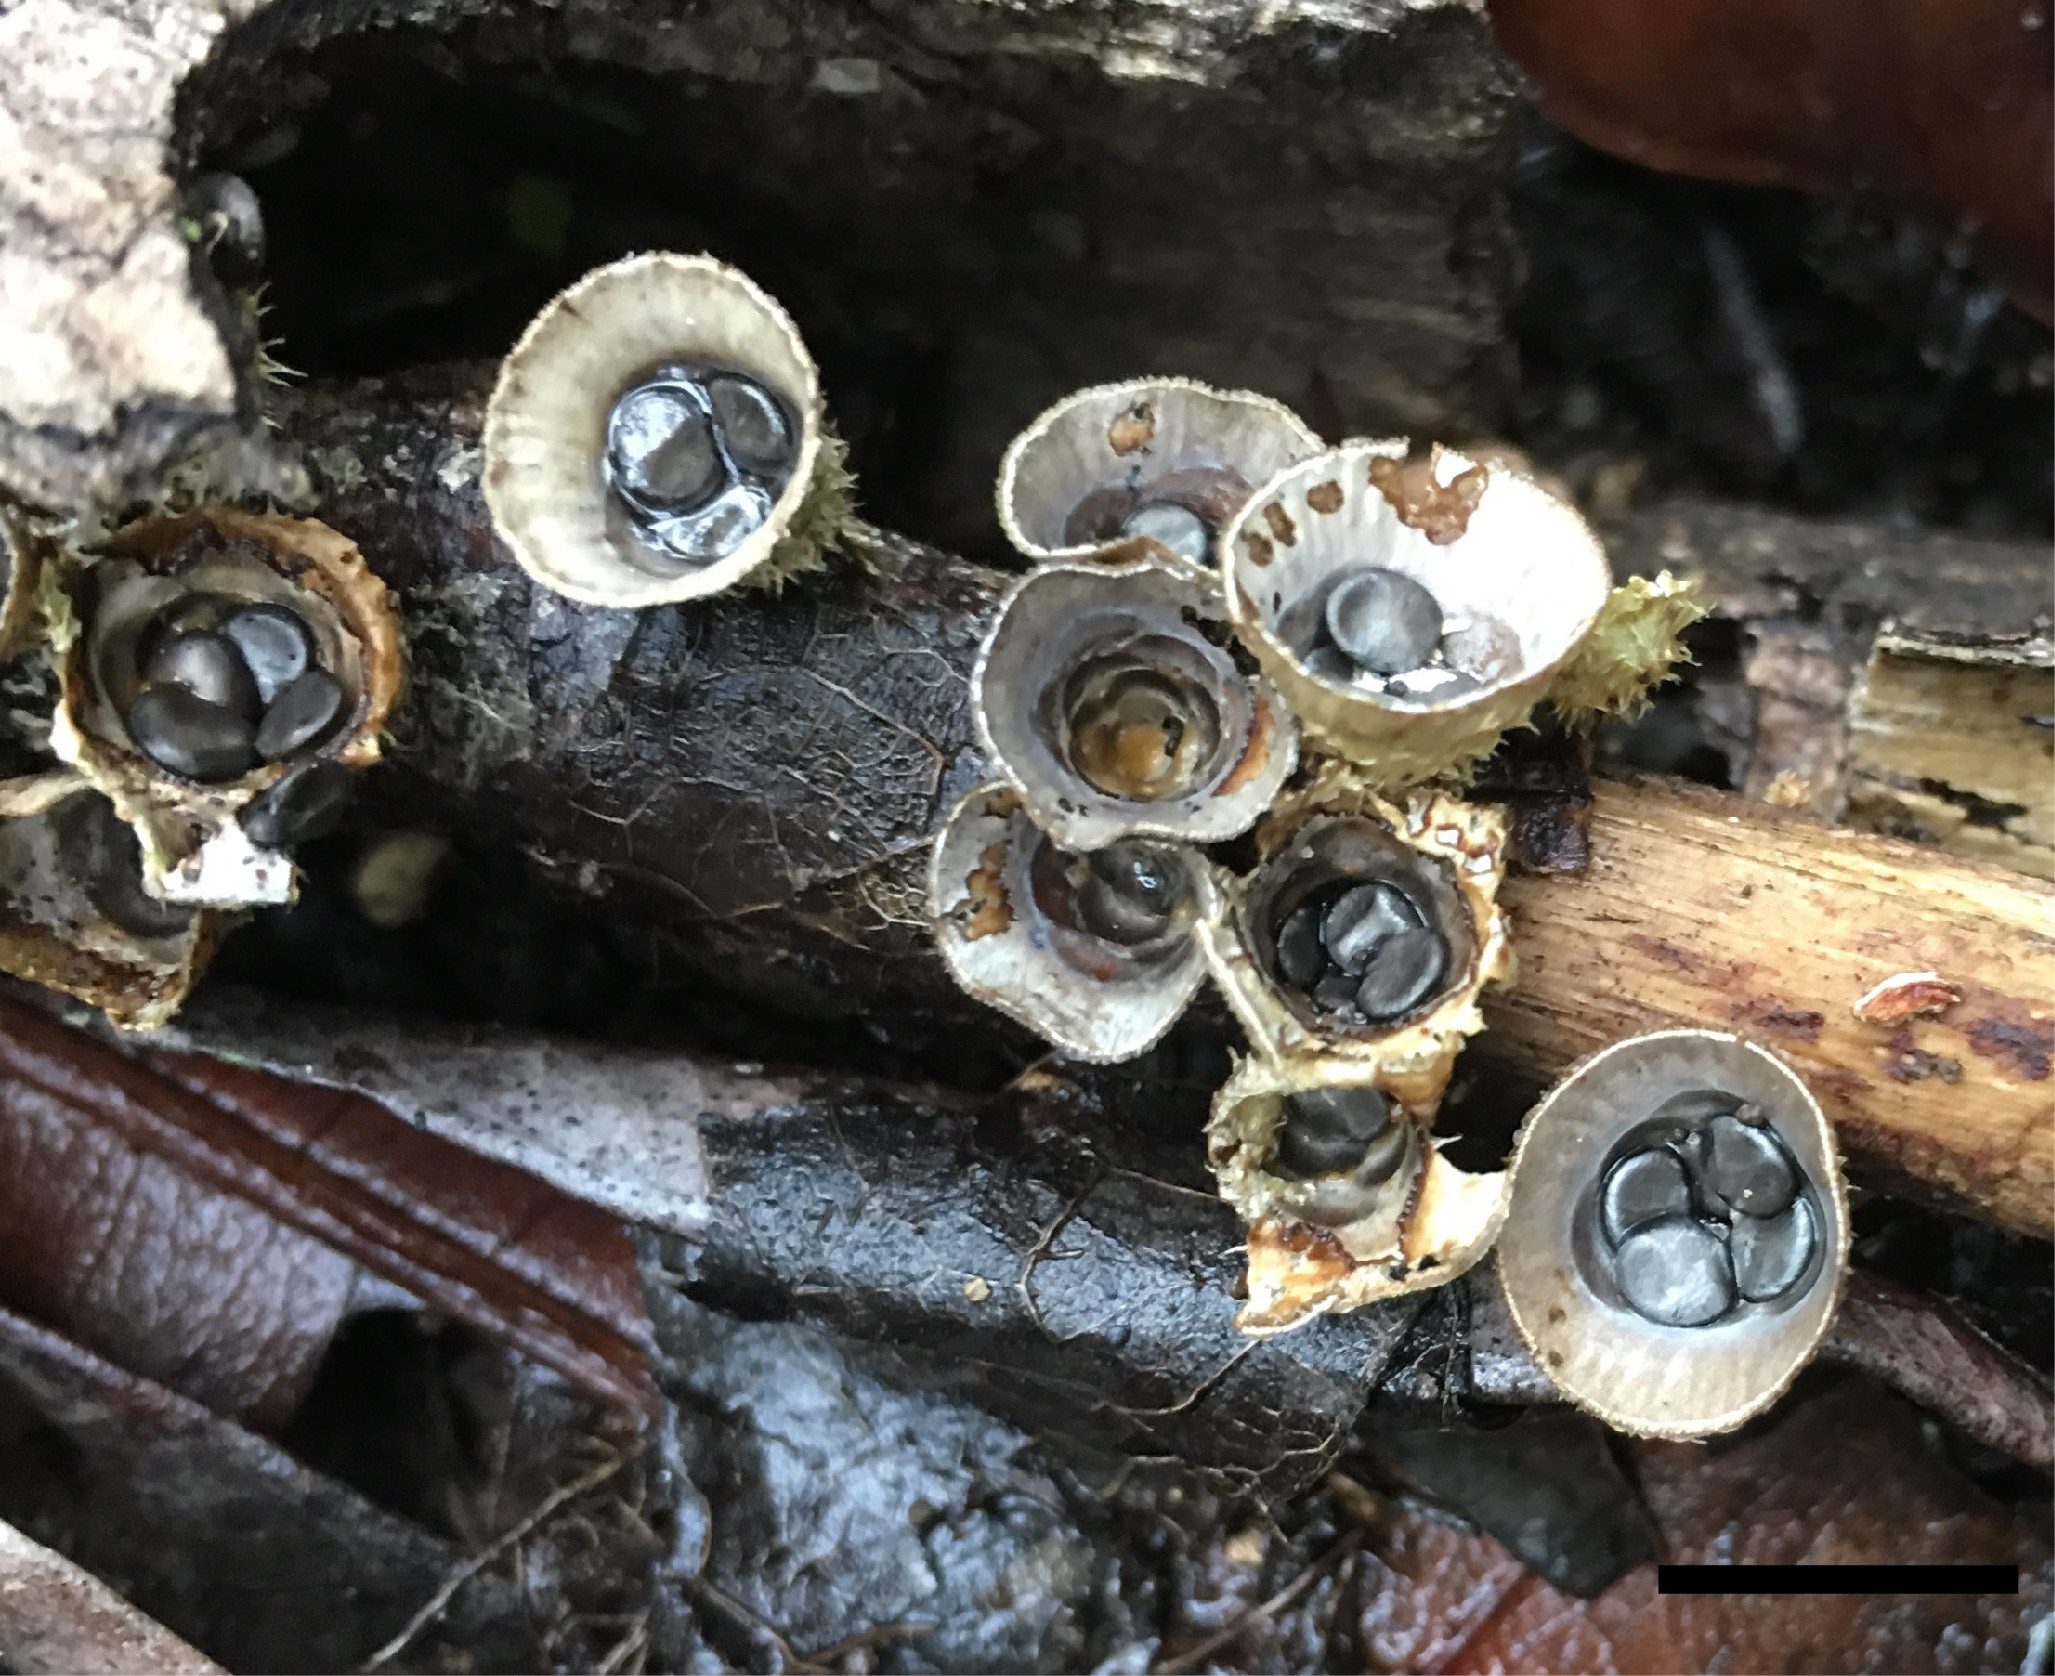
(1662, 1380)
(1526, 560)
(545, 432)
(1016, 966)
(1126, 435)
(1054, 618)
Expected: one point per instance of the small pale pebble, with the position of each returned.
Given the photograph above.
(1640, 1188)
(1402, 974)
(1178, 528)
(1384, 620)
(752, 424)
(1772, 1253)
(304, 803)
(207, 666)
(1747, 1166)
(1359, 921)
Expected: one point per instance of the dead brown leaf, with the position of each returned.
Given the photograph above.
(1839, 1476)
(201, 1224)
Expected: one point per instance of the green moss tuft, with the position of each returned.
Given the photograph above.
(1630, 650)
(817, 525)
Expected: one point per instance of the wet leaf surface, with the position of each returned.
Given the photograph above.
(205, 1224)
(1547, 1486)
(217, 1534)
(1839, 1474)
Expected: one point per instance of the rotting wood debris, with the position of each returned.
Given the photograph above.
(844, 1328)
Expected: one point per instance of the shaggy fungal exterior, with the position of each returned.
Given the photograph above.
(1347, 1197)
(1431, 868)
(658, 435)
(1678, 1232)
(1153, 467)
(74, 916)
(1354, 956)
(1104, 702)
(1409, 611)
(223, 673)
(1094, 952)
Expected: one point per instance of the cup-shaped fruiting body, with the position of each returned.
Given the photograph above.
(1367, 932)
(224, 673)
(1410, 610)
(1678, 1232)
(1105, 701)
(74, 915)
(1095, 952)
(657, 435)
(1347, 1197)
(1153, 466)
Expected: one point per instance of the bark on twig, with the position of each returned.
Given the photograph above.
(1021, 1249)
(1904, 676)
(122, 357)
(1703, 910)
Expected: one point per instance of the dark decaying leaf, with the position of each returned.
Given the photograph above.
(1055, 1253)
(203, 1224)
(1926, 1351)
(1049, 1252)
(1841, 1474)
(1938, 107)
(217, 1533)
(1547, 1486)
(1036, 1255)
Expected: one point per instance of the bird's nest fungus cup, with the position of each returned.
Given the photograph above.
(1105, 695)
(74, 915)
(1367, 932)
(657, 435)
(1095, 952)
(1678, 1232)
(1410, 610)
(224, 672)
(1154, 467)
(1347, 1196)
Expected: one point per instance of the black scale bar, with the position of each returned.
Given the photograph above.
(1837, 1579)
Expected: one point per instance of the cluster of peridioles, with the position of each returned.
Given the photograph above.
(1231, 627)
(221, 674)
